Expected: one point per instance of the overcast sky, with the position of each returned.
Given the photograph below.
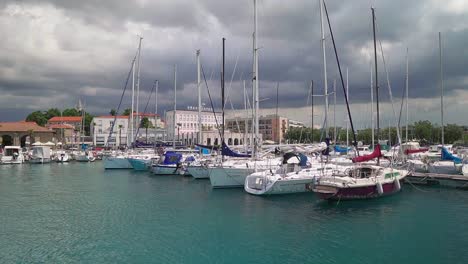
(54, 52)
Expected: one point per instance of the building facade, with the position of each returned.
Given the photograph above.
(186, 126)
(24, 133)
(75, 121)
(271, 127)
(101, 128)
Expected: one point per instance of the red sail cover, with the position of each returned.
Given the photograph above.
(412, 151)
(373, 155)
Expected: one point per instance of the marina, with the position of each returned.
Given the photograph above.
(202, 132)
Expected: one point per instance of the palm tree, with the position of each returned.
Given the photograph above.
(30, 134)
(145, 123)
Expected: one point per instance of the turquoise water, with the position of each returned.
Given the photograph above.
(77, 212)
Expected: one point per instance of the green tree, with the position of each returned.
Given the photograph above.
(71, 112)
(38, 117)
(423, 130)
(52, 112)
(452, 133)
(87, 123)
(145, 123)
(112, 112)
(127, 112)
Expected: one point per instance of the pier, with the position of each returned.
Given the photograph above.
(448, 180)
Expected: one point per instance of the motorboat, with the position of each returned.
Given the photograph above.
(40, 155)
(12, 155)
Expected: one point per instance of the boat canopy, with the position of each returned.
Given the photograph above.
(207, 147)
(230, 153)
(341, 149)
(172, 158)
(413, 151)
(299, 158)
(445, 155)
(375, 154)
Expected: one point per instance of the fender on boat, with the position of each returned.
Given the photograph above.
(379, 188)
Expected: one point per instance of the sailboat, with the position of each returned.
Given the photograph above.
(233, 172)
(362, 181)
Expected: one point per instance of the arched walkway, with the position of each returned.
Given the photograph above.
(236, 142)
(7, 140)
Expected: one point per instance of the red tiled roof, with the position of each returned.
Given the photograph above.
(59, 126)
(65, 119)
(22, 126)
(110, 116)
(146, 114)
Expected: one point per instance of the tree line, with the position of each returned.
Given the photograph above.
(423, 131)
(41, 117)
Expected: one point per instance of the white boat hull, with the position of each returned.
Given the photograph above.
(221, 177)
(255, 185)
(444, 167)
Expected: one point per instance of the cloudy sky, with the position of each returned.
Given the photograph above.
(54, 52)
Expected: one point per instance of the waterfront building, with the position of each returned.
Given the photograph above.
(23, 132)
(271, 127)
(101, 127)
(186, 126)
(64, 133)
(74, 121)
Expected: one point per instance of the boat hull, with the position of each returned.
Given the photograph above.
(283, 186)
(139, 164)
(39, 160)
(198, 172)
(355, 193)
(221, 177)
(444, 167)
(166, 170)
(116, 163)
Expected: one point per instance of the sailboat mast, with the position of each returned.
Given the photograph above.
(312, 110)
(441, 87)
(376, 74)
(376, 80)
(372, 106)
(246, 118)
(334, 112)
(255, 79)
(175, 106)
(138, 84)
(347, 119)
(324, 58)
(277, 116)
(133, 104)
(199, 99)
(156, 112)
(222, 99)
(407, 87)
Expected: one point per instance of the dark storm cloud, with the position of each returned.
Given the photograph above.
(83, 49)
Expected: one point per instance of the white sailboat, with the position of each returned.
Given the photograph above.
(232, 173)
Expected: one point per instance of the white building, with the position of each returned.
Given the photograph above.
(101, 126)
(186, 125)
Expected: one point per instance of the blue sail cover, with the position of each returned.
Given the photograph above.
(326, 151)
(341, 149)
(445, 155)
(172, 158)
(302, 160)
(228, 152)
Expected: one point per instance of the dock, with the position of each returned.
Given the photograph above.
(435, 179)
